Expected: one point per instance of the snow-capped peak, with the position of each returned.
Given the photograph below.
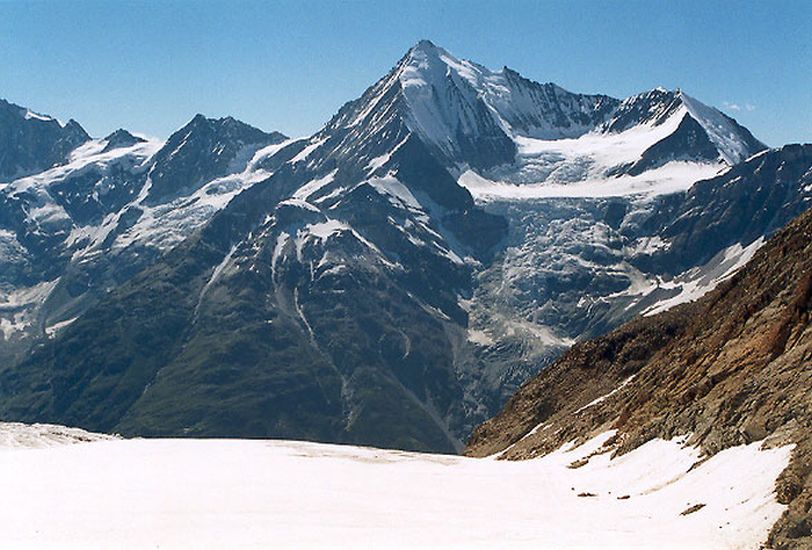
(469, 114)
(734, 142)
(655, 107)
(494, 122)
(426, 63)
(519, 106)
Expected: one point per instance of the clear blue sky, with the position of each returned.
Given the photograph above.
(149, 66)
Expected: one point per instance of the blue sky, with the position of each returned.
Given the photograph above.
(149, 66)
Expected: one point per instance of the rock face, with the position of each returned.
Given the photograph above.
(363, 285)
(30, 142)
(732, 368)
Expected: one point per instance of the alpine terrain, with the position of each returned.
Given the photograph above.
(390, 280)
(732, 369)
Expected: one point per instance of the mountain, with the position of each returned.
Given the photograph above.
(701, 132)
(313, 305)
(30, 142)
(201, 151)
(729, 369)
(467, 114)
(70, 233)
(390, 280)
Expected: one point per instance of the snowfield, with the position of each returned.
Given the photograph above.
(674, 177)
(169, 493)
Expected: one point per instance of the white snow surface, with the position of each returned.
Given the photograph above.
(721, 130)
(257, 494)
(603, 398)
(673, 177)
(696, 282)
(29, 114)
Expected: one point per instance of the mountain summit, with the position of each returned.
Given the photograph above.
(471, 116)
(467, 113)
(697, 132)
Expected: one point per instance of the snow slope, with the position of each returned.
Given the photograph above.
(240, 493)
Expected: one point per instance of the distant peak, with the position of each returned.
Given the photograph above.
(226, 128)
(76, 129)
(121, 138)
(658, 95)
(424, 45)
(226, 121)
(122, 133)
(427, 50)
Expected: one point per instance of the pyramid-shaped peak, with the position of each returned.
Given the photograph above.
(426, 53)
(425, 45)
(121, 138)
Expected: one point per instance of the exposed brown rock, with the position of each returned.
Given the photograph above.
(732, 368)
(692, 509)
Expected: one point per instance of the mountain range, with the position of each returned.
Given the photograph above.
(390, 280)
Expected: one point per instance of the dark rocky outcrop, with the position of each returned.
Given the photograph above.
(31, 143)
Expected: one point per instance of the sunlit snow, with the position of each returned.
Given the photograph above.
(283, 494)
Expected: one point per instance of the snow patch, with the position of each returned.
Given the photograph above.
(399, 195)
(51, 330)
(312, 186)
(603, 398)
(304, 153)
(31, 115)
(698, 281)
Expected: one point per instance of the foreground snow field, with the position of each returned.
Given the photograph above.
(238, 493)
